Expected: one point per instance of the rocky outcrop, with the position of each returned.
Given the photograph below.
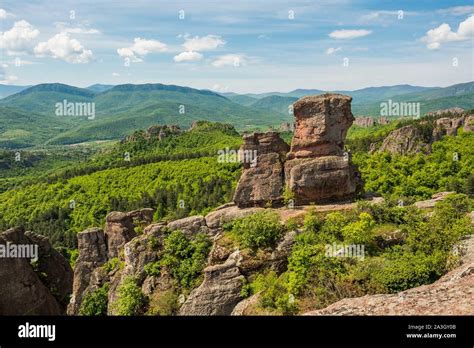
(430, 203)
(226, 213)
(321, 125)
(39, 288)
(453, 294)
(120, 228)
(317, 169)
(154, 132)
(220, 291)
(365, 122)
(262, 180)
(405, 140)
(469, 124)
(453, 111)
(447, 126)
(92, 247)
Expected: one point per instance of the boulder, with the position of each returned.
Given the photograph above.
(405, 140)
(222, 215)
(120, 228)
(469, 124)
(365, 122)
(321, 124)
(189, 225)
(28, 289)
(220, 291)
(262, 179)
(321, 180)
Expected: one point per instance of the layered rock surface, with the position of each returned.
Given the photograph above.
(453, 294)
(317, 169)
(262, 180)
(39, 288)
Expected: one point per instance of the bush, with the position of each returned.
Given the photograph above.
(184, 258)
(361, 231)
(312, 221)
(113, 264)
(274, 294)
(399, 270)
(130, 300)
(164, 303)
(95, 302)
(257, 231)
(331, 230)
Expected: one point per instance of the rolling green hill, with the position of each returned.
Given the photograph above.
(122, 109)
(275, 103)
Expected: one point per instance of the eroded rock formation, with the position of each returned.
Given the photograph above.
(405, 140)
(317, 169)
(262, 180)
(39, 288)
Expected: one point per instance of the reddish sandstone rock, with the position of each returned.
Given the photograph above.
(322, 179)
(321, 125)
(262, 180)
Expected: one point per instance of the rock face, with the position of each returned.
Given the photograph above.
(321, 124)
(447, 126)
(469, 124)
(405, 140)
(92, 247)
(262, 180)
(365, 122)
(120, 228)
(27, 290)
(317, 169)
(453, 294)
(220, 291)
(454, 111)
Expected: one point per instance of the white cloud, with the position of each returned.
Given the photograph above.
(4, 14)
(220, 89)
(205, 43)
(235, 60)
(188, 56)
(115, 74)
(5, 78)
(344, 34)
(62, 46)
(435, 37)
(140, 48)
(65, 28)
(18, 40)
(332, 50)
(457, 10)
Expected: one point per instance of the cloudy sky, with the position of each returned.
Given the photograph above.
(240, 46)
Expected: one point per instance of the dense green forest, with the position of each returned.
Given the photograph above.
(180, 176)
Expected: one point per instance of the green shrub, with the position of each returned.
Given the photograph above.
(361, 231)
(130, 299)
(95, 302)
(184, 258)
(312, 221)
(331, 230)
(399, 270)
(164, 303)
(258, 231)
(113, 264)
(274, 294)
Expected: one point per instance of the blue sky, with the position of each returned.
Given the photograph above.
(240, 46)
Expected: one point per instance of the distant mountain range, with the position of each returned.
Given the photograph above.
(367, 101)
(28, 117)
